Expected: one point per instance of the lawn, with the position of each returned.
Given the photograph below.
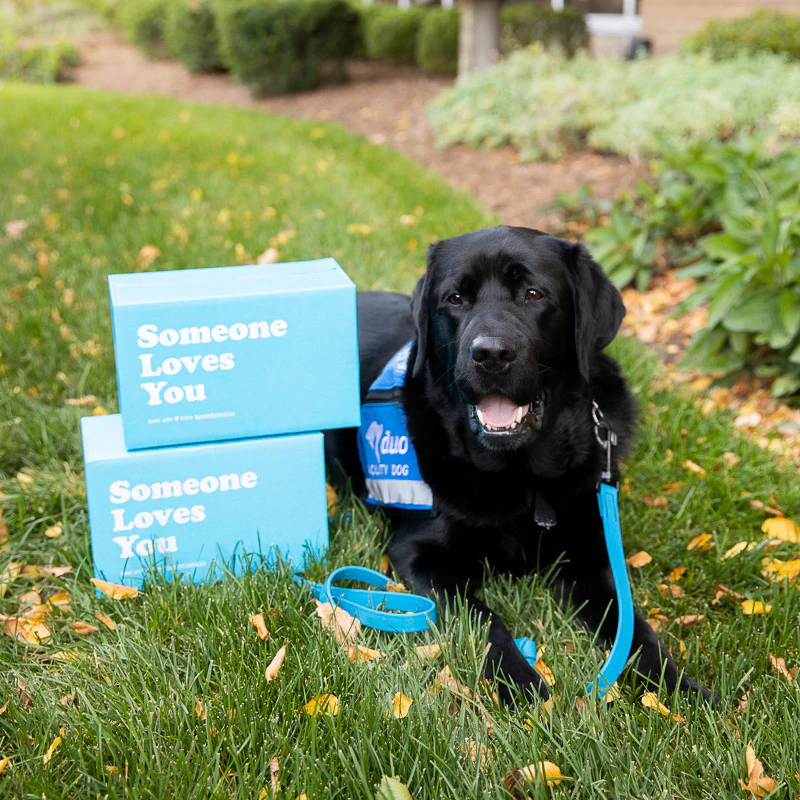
(173, 702)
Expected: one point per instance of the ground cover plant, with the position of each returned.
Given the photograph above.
(168, 696)
(729, 210)
(544, 104)
(38, 63)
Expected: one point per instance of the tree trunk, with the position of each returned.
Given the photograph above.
(479, 35)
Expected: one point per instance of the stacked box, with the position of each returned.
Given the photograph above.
(225, 378)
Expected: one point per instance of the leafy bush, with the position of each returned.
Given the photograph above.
(523, 25)
(42, 63)
(544, 104)
(763, 31)
(732, 208)
(144, 24)
(390, 34)
(437, 42)
(287, 45)
(191, 35)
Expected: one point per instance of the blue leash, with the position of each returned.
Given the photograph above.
(378, 609)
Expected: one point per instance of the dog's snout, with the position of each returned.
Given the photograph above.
(492, 353)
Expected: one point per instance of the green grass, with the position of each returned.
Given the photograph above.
(98, 178)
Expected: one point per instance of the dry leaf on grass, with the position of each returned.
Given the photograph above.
(342, 625)
(689, 619)
(199, 709)
(728, 594)
(671, 590)
(445, 680)
(107, 621)
(50, 750)
(4, 763)
(392, 789)
(427, 652)
(544, 771)
(274, 769)
(779, 665)
(758, 784)
(479, 753)
(359, 653)
(115, 591)
(401, 705)
(701, 543)
(544, 670)
(324, 704)
(676, 574)
(694, 468)
(781, 528)
(275, 664)
(777, 570)
(734, 551)
(750, 607)
(55, 531)
(650, 700)
(83, 628)
(638, 560)
(32, 633)
(261, 626)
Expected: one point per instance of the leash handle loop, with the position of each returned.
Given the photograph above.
(374, 608)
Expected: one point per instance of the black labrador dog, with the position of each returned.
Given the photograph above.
(508, 326)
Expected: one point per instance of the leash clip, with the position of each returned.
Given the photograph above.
(606, 438)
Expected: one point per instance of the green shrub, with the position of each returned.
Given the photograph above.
(41, 63)
(144, 24)
(544, 104)
(390, 34)
(523, 25)
(437, 42)
(763, 31)
(191, 35)
(287, 45)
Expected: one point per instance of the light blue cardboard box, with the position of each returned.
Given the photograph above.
(182, 508)
(232, 352)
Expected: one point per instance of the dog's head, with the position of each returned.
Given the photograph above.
(509, 319)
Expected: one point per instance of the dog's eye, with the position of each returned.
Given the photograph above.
(533, 294)
(455, 299)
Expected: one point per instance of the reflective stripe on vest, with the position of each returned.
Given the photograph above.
(387, 455)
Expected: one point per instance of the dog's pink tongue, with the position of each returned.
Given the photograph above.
(498, 411)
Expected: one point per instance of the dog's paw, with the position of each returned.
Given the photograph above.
(517, 689)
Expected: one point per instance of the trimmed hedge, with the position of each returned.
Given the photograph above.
(390, 34)
(280, 46)
(191, 35)
(437, 41)
(43, 63)
(764, 31)
(522, 25)
(144, 24)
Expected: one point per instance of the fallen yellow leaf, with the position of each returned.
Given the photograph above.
(82, 628)
(695, 468)
(546, 771)
(61, 600)
(739, 547)
(777, 570)
(107, 621)
(275, 664)
(779, 665)
(199, 710)
(676, 574)
(544, 671)
(324, 704)
(261, 626)
(4, 763)
(338, 621)
(701, 543)
(427, 652)
(400, 705)
(115, 590)
(24, 479)
(56, 742)
(781, 528)
(689, 619)
(55, 531)
(755, 607)
(758, 784)
(359, 653)
(650, 700)
(638, 560)
(479, 753)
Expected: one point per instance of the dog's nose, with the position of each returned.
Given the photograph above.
(492, 353)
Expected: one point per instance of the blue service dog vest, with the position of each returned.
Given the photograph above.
(387, 455)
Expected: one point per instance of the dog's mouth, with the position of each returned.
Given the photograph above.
(496, 415)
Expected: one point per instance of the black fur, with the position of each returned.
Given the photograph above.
(485, 486)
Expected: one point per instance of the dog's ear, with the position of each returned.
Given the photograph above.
(598, 307)
(420, 309)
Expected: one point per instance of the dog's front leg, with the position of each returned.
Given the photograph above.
(593, 593)
(424, 562)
